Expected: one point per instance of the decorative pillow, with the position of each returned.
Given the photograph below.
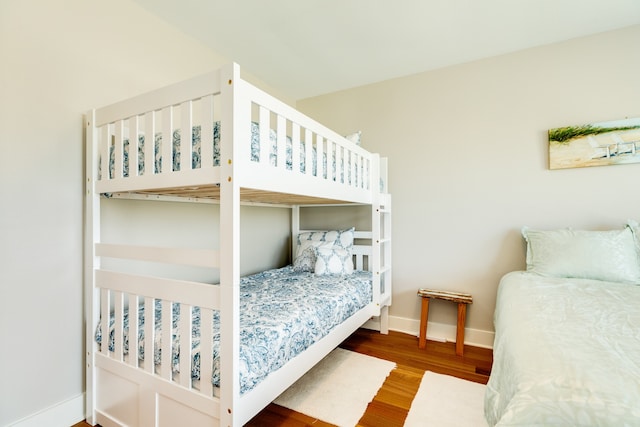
(306, 261)
(339, 238)
(315, 239)
(333, 261)
(354, 137)
(600, 255)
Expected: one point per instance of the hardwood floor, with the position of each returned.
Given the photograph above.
(392, 403)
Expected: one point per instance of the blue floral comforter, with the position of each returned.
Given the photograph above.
(282, 313)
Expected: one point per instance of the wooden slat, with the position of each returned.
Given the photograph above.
(308, 152)
(118, 326)
(181, 256)
(331, 174)
(247, 195)
(194, 293)
(281, 142)
(166, 333)
(103, 147)
(322, 158)
(206, 351)
(446, 295)
(149, 143)
(341, 175)
(354, 176)
(186, 135)
(206, 132)
(295, 148)
(134, 131)
(265, 143)
(184, 327)
(118, 150)
(170, 95)
(105, 308)
(134, 321)
(149, 334)
(166, 165)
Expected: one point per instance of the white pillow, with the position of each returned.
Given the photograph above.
(340, 238)
(635, 229)
(333, 261)
(600, 255)
(305, 260)
(354, 137)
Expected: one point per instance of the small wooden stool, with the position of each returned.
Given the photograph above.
(460, 298)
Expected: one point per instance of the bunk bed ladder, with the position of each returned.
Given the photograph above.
(381, 242)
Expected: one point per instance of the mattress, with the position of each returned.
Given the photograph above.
(196, 159)
(282, 313)
(566, 352)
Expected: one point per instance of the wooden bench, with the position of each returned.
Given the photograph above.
(462, 300)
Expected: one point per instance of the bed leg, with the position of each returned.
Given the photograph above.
(384, 320)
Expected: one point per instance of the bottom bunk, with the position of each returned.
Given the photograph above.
(289, 320)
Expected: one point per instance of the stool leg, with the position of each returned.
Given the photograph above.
(462, 315)
(424, 316)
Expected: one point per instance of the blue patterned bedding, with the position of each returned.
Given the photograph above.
(282, 313)
(196, 159)
(566, 353)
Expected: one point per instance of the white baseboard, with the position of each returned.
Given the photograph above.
(442, 332)
(63, 414)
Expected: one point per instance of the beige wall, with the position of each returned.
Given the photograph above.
(466, 146)
(468, 162)
(58, 60)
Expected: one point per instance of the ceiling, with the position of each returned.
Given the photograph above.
(305, 48)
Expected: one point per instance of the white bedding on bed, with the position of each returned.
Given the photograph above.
(566, 353)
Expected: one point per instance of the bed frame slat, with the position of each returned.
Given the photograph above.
(118, 150)
(149, 333)
(134, 321)
(180, 256)
(166, 164)
(184, 327)
(206, 351)
(264, 130)
(134, 131)
(149, 143)
(295, 147)
(105, 308)
(194, 293)
(118, 326)
(206, 132)
(281, 142)
(166, 332)
(186, 135)
(321, 158)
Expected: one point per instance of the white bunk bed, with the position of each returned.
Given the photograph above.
(292, 161)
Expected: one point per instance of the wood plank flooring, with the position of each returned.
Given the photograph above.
(392, 403)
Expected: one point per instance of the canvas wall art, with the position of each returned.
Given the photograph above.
(595, 144)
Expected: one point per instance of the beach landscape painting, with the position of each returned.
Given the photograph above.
(595, 144)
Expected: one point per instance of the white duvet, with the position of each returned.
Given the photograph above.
(566, 353)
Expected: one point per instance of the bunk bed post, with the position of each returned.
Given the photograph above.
(91, 261)
(232, 118)
(295, 230)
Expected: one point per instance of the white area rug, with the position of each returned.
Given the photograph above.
(443, 401)
(338, 389)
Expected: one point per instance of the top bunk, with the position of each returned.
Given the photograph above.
(240, 138)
